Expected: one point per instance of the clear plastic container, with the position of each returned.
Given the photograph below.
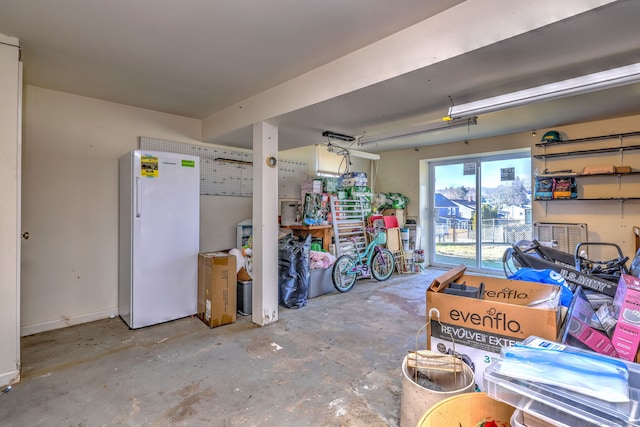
(562, 407)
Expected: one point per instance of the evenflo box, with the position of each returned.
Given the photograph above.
(216, 288)
(506, 312)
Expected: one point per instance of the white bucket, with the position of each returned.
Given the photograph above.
(416, 400)
(404, 236)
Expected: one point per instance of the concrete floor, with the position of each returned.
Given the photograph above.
(335, 362)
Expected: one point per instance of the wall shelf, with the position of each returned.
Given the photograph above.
(619, 148)
(586, 175)
(587, 152)
(589, 139)
(622, 199)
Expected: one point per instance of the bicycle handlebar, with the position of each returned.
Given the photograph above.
(375, 229)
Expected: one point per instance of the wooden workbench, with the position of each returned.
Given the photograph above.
(324, 232)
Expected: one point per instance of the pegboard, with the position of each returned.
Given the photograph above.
(226, 172)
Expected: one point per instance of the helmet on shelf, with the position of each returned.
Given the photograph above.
(552, 135)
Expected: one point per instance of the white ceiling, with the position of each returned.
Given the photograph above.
(198, 57)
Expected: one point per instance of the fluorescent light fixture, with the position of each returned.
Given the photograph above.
(419, 130)
(584, 84)
(343, 151)
(364, 155)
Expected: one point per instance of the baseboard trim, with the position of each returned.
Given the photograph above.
(66, 321)
(10, 377)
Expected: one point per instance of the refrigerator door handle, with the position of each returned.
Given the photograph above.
(137, 197)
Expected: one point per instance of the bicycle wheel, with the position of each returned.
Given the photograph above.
(510, 262)
(382, 264)
(343, 273)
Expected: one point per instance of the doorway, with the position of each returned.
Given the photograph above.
(479, 207)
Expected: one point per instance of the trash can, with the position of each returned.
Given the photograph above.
(244, 293)
(416, 399)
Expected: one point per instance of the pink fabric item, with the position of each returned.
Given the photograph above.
(318, 260)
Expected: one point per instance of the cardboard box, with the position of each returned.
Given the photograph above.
(216, 288)
(354, 182)
(626, 305)
(592, 338)
(479, 328)
(623, 169)
(598, 169)
(578, 330)
(311, 186)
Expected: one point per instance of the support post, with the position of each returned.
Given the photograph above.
(265, 224)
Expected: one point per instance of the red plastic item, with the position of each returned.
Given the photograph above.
(373, 218)
(390, 221)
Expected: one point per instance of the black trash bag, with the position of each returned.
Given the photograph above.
(293, 270)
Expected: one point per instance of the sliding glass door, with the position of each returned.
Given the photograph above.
(454, 206)
(480, 206)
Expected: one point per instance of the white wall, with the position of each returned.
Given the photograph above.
(219, 216)
(9, 208)
(405, 171)
(70, 203)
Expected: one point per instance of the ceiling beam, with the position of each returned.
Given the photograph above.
(468, 26)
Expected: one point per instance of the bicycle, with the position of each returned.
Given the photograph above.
(375, 259)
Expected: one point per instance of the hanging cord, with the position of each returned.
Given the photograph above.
(341, 151)
(346, 161)
(374, 167)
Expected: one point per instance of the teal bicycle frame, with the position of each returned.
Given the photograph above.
(374, 260)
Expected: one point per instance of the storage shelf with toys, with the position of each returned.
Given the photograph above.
(568, 185)
(571, 181)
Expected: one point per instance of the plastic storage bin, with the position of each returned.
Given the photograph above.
(320, 282)
(523, 419)
(562, 407)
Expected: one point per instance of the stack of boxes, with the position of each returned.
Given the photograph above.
(476, 328)
(504, 312)
(353, 179)
(353, 185)
(313, 186)
(313, 202)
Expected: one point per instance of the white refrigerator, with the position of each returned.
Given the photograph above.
(159, 237)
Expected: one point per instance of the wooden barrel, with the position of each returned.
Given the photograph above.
(469, 409)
